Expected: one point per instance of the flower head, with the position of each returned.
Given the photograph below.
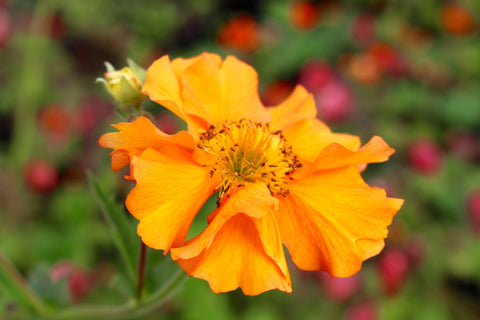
(281, 178)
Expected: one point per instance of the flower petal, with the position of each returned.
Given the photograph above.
(254, 200)
(241, 247)
(179, 65)
(342, 220)
(163, 83)
(237, 259)
(163, 87)
(217, 92)
(170, 190)
(120, 159)
(310, 136)
(298, 106)
(142, 134)
(336, 155)
(139, 135)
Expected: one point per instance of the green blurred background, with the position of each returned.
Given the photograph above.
(408, 71)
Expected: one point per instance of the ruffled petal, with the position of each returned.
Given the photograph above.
(121, 158)
(241, 247)
(179, 65)
(142, 134)
(370, 247)
(162, 86)
(335, 155)
(310, 136)
(218, 92)
(170, 190)
(137, 136)
(298, 106)
(254, 200)
(343, 221)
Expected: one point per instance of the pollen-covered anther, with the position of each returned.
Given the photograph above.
(246, 152)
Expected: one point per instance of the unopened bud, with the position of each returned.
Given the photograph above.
(124, 85)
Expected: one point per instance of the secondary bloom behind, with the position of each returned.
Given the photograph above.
(281, 176)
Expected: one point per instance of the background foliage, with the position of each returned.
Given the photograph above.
(408, 71)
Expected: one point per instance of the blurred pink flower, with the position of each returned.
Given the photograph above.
(394, 266)
(425, 156)
(335, 102)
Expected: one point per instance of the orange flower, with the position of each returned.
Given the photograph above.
(457, 20)
(282, 178)
(241, 32)
(304, 15)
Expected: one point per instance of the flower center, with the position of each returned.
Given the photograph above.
(249, 152)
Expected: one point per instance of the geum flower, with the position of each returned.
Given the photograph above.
(282, 177)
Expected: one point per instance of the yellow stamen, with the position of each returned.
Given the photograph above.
(249, 152)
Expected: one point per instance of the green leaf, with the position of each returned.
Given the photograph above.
(120, 228)
(13, 286)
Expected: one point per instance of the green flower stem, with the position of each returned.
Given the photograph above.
(129, 311)
(14, 285)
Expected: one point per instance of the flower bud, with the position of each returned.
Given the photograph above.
(124, 85)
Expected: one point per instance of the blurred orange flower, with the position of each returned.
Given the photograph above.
(282, 177)
(241, 33)
(304, 15)
(457, 20)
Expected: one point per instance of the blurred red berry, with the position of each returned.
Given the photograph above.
(363, 28)
(362, 311)
(425, 156)
(41, 176)
(315, 75)
(473, 207)
(5, 26)
(276, 92)
(335, 102)
(304, 15)
(341, 289)
(241, 33)
(457, 20)
(388, 59)
(80, 282)
(393, 267)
